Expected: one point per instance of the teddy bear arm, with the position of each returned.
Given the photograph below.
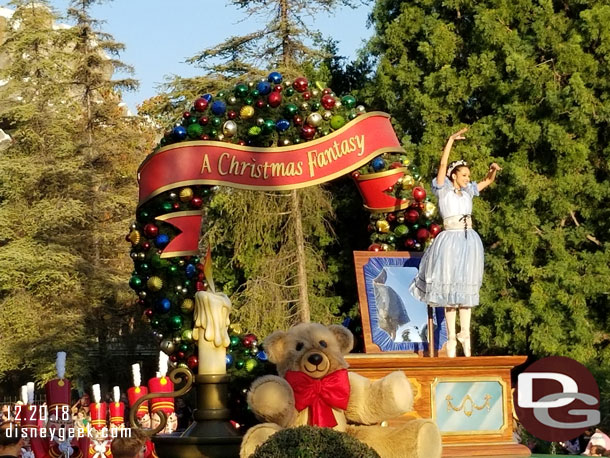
(271, 399)
(372, 402)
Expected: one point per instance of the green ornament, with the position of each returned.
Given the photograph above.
(173, 270)
(268, 126)
(352, 116)
(391, 238)
(144, 267)
(235, 341)
(193, 120)
(240, 364)
(415, 227)
(144, 215)
(254, 93)
(187, 283)
(315, 106)
(157, 262)
(289, 92)
(213, 133)
(221, 94)
(349, 101)
(241, 90)
(175, 322)
(166, 206)
(401, 230)
(135, 282)
(337, 121)
(254, 131)
(155, 323)
(291, 109)
(183, 347)
(251, 364)
(249, 101)
(216, 121)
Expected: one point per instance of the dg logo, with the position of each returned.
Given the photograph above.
(557, 399)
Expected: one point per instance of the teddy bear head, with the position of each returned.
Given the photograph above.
(312, 348)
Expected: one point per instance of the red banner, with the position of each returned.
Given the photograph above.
(290, 167)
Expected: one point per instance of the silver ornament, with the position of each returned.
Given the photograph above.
(314, 119)
(250, 84)
(304, 106)
(141, 256)
(229, 128)
(167, 346)
(327, 115)
(220, 137)
(315, 93)
(260, 121)
(173, 195)
(360, 109)
(142, 294)
(337, 103)
(285, 142)
(232, 100)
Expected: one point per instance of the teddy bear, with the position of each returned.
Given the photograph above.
(315, 388)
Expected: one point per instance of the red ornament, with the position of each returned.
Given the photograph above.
(199, 286)
(176, 206)
(300, 84)
(410, 244)
(241, 143)
(422, 235)
(231, 115)
(275, 98)
(146, 246)
(395, 165)
(186, 114)
(260, 103)
(411, 215)
(375, 247)
(151, 230)
(249, 340)
(196, 202)
(434, 229)
(205, 137)
(308, 132)
(419, 193)
(298, 119)
(328, 101)
(355, 174)
(173, 358)
(200, 104)
(180, 355)
(306, 95)
(192, 362)
(391, 217)
(200, 276)
(278, 88)
(327, 91)
(149, 313)
(204, 120)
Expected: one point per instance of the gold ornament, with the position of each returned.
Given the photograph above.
(429, 209)
(236, 328)
(406, 162)
(246, 112)
(135, 237)
(383, 226)
(385, 247)
(407, 182)
(304, 106)
(186, 194)
(187, 306)
(154, 283)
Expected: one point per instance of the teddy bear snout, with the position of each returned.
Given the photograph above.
(315, 363)
(315, 359)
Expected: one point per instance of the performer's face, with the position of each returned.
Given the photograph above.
(461, 177)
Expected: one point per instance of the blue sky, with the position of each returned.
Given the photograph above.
(160, 35)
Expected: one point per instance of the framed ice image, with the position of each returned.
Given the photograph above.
(392, 319)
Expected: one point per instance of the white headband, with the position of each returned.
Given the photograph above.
(454, 165)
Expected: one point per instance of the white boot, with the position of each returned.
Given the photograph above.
(451, 346)
(465, 341)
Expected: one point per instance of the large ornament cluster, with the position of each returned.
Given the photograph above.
(271, 112)
(409, 229)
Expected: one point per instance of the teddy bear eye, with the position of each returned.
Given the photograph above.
(300, 346)
(323, 343)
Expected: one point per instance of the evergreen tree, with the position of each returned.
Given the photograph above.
(285, 273)
(532, 80)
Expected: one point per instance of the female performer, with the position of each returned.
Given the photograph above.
(451, 269)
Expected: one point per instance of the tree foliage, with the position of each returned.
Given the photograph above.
(532, 80)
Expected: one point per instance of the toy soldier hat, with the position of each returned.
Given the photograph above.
(58, 389)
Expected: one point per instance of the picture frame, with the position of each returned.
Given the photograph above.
(392, 319)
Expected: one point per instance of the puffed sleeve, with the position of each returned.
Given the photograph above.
(472, 189)
(440, 190)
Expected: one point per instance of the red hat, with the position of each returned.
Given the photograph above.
(161, 385)
(373, 187)
(29, 416)
(58, 395)
(117, 413)
(98, 415)
(133, 394)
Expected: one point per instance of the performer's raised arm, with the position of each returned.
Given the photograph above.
(442, 167)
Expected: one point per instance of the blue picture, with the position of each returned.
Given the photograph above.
(398, 321)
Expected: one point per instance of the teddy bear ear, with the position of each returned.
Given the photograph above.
(344, 337)
(274, 346)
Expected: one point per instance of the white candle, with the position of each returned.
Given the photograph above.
(211, 325)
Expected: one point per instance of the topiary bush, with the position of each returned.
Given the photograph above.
(313, 442)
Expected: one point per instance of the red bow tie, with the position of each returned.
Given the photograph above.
(320, 395)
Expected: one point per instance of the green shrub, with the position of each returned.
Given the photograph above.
(313, 442)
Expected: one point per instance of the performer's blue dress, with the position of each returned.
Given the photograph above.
(451, 269)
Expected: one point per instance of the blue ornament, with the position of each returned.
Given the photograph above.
(378, 164)
(164, 305)
(161, 240)
(208, 97)
(219, 107)
(179, 133)
(275, 78)
(263, 88)
(261, 356)
(229, 360)
(282, 125)
(190, 270)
